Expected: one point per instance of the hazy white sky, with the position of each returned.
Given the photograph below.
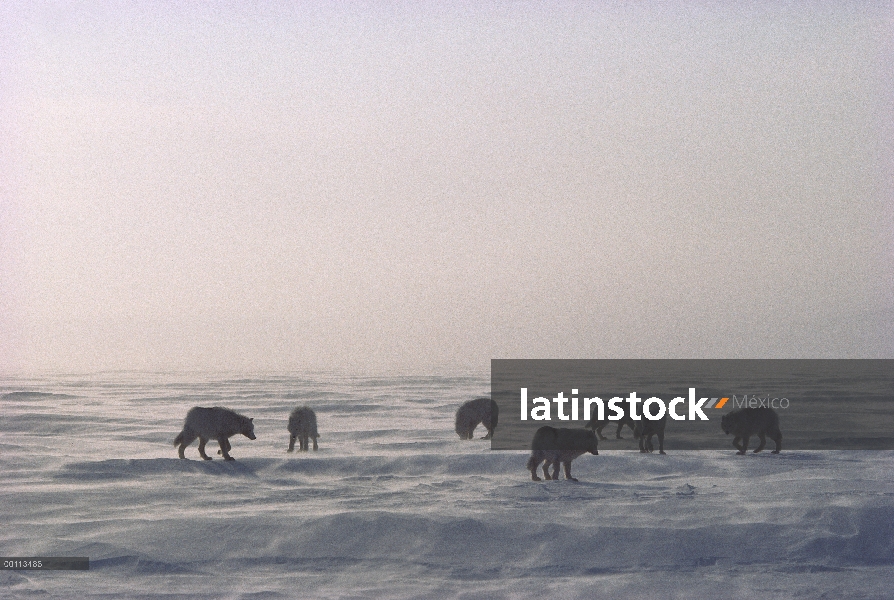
(408, 186)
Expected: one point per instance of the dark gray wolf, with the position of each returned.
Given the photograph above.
(213, 424)
(597, 425)
(302, 427)
(554, 446)
(473, 412)
(745, 422)
(645, 429)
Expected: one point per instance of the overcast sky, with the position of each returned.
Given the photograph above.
(406, 186)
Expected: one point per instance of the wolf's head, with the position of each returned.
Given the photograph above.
(593, 443)
(297, 425)
(248, 428)
(727, 423)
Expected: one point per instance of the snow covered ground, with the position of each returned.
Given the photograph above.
(395, 505)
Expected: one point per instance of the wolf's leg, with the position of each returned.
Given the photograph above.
(225, 448)
(303, 447)
(315, 442)
(291, 444)
(762, 444)
(598, 430)
(474, 425)
(618, 432)
(745, 439)
(202, 442)
(661, 442)
(556, 469)
(546, 474)
(221, 449)
(490, 431)
(778, 441)
(532, 467)
(567, 465)
(188, 438)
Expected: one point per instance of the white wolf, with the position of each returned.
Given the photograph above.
(552, 446)
(746, 422)
(213, 424)
(645, 429)
(302, 426)
(473, 412)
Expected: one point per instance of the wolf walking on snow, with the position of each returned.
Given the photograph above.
(746, 422)
(644, 431)
(213, 424)
(552, 446)
(302, 427)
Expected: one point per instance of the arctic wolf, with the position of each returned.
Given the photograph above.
(213, 423)
(645, 429)
(554, 446)
(473, 412)
(745, 422)
(596, 425)
(302, 427)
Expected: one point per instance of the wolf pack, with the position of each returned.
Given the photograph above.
(550, 446)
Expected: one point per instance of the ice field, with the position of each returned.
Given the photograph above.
(395, 505)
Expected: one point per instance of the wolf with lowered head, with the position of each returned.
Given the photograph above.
(552, 446)
(745, 422)
(213, 424)
(483, 411)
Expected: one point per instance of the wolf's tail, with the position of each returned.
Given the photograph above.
(179, 439)
(532, 463)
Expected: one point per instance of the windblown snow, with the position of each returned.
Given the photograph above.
(395, 505)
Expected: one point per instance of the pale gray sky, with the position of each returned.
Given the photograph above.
(408, 186)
